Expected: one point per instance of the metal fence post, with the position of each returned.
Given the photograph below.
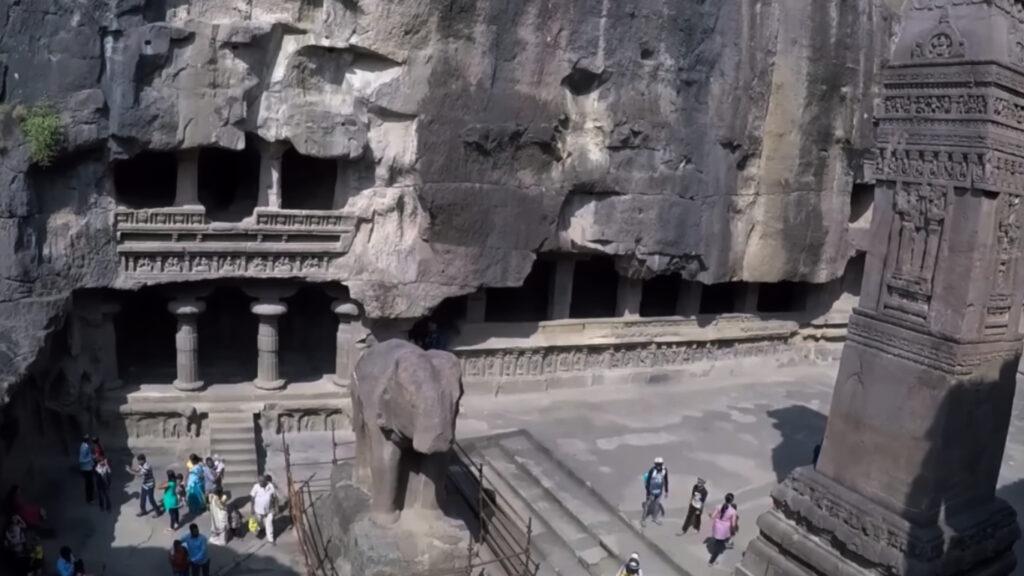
(529, 537)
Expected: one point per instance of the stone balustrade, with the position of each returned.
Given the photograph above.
(180, 242)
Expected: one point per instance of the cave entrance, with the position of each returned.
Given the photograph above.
(229, 182)
(594, 288)
(144, 332)
(147, 180)
(227, 337)
(526, 303)
(307, 183)
(307, 334)
(660, 296)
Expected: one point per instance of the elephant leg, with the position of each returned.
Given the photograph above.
(361, 475)
(432, 478)
(386, 459)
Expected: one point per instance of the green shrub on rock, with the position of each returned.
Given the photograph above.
(43, 131)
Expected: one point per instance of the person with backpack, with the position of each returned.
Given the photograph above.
(698, 496)
(655, 488)
(725, 523)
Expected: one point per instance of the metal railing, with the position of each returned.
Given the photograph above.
(499, 528)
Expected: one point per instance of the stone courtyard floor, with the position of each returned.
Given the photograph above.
(743, 430)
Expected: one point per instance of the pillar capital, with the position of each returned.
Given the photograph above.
(345, 309)
(268, 308)
(186, 307)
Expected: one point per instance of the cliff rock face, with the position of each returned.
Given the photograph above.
(718, 140)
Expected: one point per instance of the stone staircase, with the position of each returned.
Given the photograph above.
(576, 531)
(233, 438)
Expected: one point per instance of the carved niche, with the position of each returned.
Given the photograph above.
(920, 211)
(1008, 244)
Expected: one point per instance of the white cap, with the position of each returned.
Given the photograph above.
(659, 460)
(634, 556)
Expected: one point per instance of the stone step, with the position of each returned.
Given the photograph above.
(233, 438)
(606, 523)
(560, 538)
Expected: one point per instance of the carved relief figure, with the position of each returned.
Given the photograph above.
(404, 404)
(921, 208)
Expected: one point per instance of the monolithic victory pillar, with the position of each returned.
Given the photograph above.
(267, 374)
(186, 342)
(349, 333)
(905, 484)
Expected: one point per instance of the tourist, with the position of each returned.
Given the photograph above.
(698, 496)
(170, 500)
(97, 449)
(179, 559)
(209, 475)
(15, 538)
(147, 486)
(195, 490)
(179, 489)
(725, 522)
(34, 516)
(218, 469)
(656, 488)
(103, 474)
(86, 466)
(66, 562)
(264, 498)
(631, 567)
(196, 545)
(218, 502)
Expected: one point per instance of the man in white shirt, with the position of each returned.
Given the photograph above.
(264, 500)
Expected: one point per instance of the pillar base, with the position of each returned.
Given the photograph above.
(269, 384)
(811, 512)
(188, 386)
(341, 382)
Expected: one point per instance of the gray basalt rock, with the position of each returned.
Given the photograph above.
(729, 134)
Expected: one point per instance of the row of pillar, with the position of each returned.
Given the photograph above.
(629, 296)
(267, 311)
(271, 155)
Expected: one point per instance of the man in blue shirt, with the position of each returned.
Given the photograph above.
(86, 467)
(198, 559)
(66, 562)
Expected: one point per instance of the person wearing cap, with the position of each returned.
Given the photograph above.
(656, 487)
(631, 566)
(698, 496)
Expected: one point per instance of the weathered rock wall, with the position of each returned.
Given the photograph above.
(719, 140)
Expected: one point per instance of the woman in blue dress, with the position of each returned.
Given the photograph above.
(195, 491)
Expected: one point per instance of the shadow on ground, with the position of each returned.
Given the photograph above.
(802, 428)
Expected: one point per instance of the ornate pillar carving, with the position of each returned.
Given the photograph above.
(267, 372)
(350, 332)
(905, 484)
(186, 342)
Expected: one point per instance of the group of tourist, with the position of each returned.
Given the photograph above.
(94, 467)
(26, 526)
(724, 518)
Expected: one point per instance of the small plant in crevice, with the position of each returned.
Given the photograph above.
(43, 131)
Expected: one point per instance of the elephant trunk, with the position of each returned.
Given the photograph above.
(432, 435)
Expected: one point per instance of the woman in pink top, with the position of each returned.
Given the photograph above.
(724, 522)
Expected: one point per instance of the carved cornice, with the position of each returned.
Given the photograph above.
(964, 168)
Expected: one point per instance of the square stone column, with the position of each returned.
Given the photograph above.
(350, 333)
(688, 301)
(560, 291)
(186, 343)
(271, 154)
(107, 344)
(746, 298)
(628, 296)
(186, 191)
(905, 484)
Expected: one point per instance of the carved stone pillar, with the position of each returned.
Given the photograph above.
(107, 343)
(688, 302)
(628, 296)
(186, 342)
(267, 372)
(560, 293)
(905, 483)
(271, 154)
(350, 332)
(186, 191)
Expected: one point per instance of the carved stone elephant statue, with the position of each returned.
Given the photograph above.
(404, 404)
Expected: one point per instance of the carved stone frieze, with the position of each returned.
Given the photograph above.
(940, 43)
(1014, 8)
(992, 171)
(181, 242)
(546, 362)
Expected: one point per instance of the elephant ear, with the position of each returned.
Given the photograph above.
(384, 393)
